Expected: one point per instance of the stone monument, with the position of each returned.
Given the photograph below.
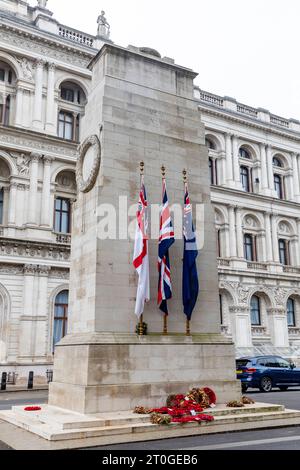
(103, 26)
(141, 107)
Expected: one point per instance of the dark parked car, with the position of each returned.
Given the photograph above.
(266, 372)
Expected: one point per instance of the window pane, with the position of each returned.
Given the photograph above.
(291, 313)
(62, 297)
(255, 311)
(65, 205)
(69, 130)
(59, 311)
(57, 331)
(2, 75)
(64, 223)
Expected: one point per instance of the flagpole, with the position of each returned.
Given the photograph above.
(141, 323)
(185, 181)
(165, 329)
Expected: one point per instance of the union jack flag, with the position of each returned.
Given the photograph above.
(141, 253)
(166, 240)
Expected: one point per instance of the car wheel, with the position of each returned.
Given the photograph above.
(283, 389)
(265, 384)
(244, 388)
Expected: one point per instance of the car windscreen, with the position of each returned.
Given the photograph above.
(240, 363)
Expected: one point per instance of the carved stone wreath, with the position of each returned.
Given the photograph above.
(86, 185)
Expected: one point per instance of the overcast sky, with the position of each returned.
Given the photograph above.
(247, 49)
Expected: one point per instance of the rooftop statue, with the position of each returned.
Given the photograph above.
(42, 3)
(103, 26)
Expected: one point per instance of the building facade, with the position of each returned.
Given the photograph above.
(254, 167)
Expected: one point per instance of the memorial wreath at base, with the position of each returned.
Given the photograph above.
(183, 408)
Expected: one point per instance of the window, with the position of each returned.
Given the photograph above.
(278, 185)
(255, 311)
(209, 144)
(221, 308)
(291, 317)
(1, 205)
(219, 251)
(213, 170)
(282, 363)
(245, 179)
(67, 94)
(65, 125)
(250, 247)
(243, 153)
(277, 162)
(2, 75)
(62, 222)
(261, 362)
(284, 252)
(61, 307)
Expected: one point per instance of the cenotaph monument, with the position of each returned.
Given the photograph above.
(141, 108)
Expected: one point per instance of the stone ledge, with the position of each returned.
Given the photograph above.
(127, 338)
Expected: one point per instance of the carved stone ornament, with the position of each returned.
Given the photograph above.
(88, 164)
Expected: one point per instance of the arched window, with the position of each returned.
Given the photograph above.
(291, 316)
(243, 153)
(61, 308)
(255, 311)
(5, 174)
(250, 247)
(210, 144)
(277, 162)
(72, 101)
(7, 89)
(221, 309)
(284, 252)
(246, 179)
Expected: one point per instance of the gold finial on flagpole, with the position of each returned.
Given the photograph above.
(142, 168)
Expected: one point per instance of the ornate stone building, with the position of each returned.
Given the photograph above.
(254, 165)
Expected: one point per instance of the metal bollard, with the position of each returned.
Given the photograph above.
(30, 380)
(3, 381)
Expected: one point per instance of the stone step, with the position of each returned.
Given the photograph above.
(137, 431)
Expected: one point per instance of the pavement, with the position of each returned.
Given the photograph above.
(273, 439)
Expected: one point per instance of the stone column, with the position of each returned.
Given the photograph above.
(270, 170)
(239, 234)
(243, 336)
(232, 231)
(40, 325)
(50, 117)
(19, 107)
(38, 95)
(269, 244)
(25, 345)
(3, 117)
(236, 164)
(296, 183)
(47, 215)
(229, 168)
(33, 191)
(222, 166)
(264, 173)
(298, 245)
(227, 241)
(278, 327)
(12, 204)
(275, 238)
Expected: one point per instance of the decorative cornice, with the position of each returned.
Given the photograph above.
(28, 141)
(30, 249)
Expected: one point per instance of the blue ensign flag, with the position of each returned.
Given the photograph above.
(190, 282)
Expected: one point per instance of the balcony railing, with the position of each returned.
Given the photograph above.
(257, 266)
(293, 331)
(243, 109)
(291, 269)
(62, 238)
(259, 330)
(278, 121)
(76, 36)
(209, 97)
(223, 262)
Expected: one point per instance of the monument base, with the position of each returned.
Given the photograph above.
(96, 373)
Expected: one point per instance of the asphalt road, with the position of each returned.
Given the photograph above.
(273, 439)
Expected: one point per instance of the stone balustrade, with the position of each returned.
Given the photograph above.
(76, 36)
(259, 330)
(293, 331)
(255, 113)
(223, 262)
(257, 266)
(291, 269)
